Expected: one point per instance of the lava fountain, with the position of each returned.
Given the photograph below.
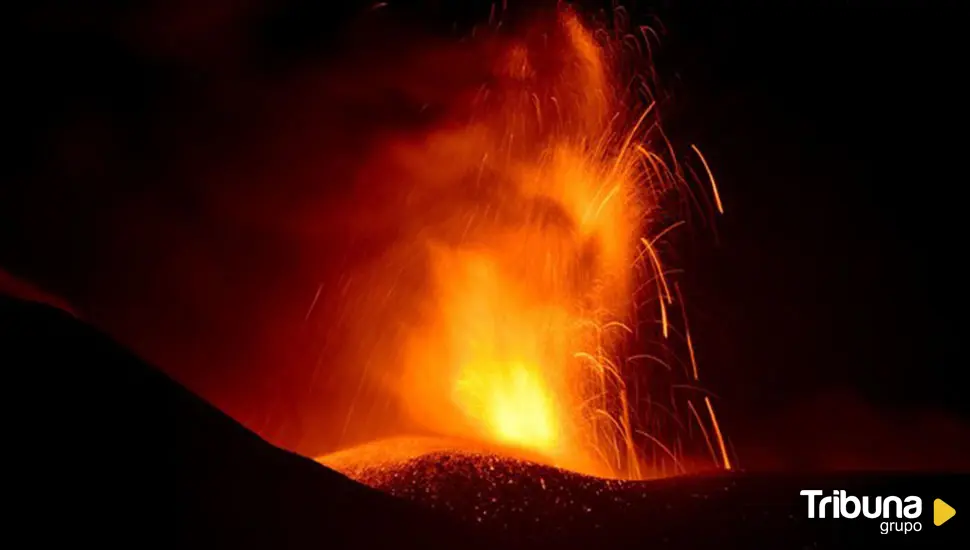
(543, 242)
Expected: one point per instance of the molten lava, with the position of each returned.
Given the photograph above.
(536, 255)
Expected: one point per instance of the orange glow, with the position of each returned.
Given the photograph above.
(549, 193)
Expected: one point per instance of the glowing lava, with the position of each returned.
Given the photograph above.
(535, 259)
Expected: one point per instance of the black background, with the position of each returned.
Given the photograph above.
(833, 127)
(823, 311)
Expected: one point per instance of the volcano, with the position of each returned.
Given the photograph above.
(107, 449)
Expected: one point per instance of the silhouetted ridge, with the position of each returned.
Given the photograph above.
(109, 450)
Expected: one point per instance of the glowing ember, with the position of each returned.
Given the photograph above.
(536, 271)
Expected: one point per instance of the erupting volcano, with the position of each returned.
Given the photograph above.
(539, 223)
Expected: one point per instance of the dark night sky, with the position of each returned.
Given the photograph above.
(834, 133)
(823, 312)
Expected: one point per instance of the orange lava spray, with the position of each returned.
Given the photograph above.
(548, 238)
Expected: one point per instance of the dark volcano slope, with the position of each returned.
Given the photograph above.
(103, 448)
(545, 507)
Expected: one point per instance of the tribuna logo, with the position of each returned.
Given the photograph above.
(841, 505)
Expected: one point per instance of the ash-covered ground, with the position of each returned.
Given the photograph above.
(526, 497)
(526, 502)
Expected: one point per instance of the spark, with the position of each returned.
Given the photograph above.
(662, 283)
(693, 360)
(313, 303)
(690, 342)
(653, 358)
(717, 431)
(710, 176)
(700, 424)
